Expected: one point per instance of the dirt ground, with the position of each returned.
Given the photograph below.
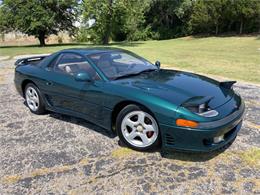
(57, 154)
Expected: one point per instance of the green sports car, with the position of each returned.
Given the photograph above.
(146, 106)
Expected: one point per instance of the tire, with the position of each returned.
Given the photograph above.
(33, 98)
(138, 129)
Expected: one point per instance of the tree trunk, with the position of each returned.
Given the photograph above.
(167, 21)
(241, 26)
(106, 37)
(109, 24)
(41, 38)
(216, 30)
(3, 37)
(229, 26)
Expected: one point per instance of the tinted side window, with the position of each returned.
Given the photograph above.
(72, 64)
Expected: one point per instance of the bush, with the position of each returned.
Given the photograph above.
(60, 41)
(83, 35)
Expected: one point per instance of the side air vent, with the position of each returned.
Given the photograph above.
(169, 139)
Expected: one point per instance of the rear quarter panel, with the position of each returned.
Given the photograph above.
(31, 73)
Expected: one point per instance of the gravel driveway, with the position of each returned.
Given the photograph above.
(57, 154)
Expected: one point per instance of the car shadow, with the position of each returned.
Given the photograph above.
(184, 156)
(83, 123)
(191, 157)
(194, 156)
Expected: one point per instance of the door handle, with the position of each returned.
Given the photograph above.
(49, 83)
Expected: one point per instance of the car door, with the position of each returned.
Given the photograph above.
(71, 96)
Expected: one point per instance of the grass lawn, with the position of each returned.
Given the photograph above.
(232, 57)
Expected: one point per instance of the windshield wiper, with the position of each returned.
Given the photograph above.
(134, 74)
(147, 70)
(126, 75)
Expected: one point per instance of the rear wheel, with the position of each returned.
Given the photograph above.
(34, 99)
(137, 128)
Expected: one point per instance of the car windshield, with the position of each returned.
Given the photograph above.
(118, 64)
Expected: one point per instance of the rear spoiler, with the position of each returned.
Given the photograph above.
(30, 60)
(227, 84)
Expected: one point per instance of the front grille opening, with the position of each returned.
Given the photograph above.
(209, 142)
(228, 134)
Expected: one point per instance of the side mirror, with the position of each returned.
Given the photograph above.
(158, 64)
(82, 76)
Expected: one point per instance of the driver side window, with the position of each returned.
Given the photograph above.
(71, 64)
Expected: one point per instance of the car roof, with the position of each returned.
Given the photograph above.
(92, 50)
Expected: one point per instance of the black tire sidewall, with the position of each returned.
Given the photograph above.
(41, 108)
(120, 117)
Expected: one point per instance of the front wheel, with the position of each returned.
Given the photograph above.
(33, 99)
(137, 128)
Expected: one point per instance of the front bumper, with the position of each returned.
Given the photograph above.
(201, 140)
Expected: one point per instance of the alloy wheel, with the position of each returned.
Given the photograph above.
(32, 98)
(139, 129)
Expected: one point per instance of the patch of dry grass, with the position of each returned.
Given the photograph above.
(251, 157)
(123, 152)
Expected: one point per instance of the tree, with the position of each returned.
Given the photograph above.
(132, 20)
(101, 11)
(39, 18)
(117, 19)
(167, 18)
(246, 10)
(214, 9)
(207, 15)
(200, 19)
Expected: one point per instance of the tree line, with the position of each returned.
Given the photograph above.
(130, 20)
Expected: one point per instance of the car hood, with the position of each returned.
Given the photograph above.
(178, 87)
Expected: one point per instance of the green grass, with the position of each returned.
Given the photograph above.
(232, 57)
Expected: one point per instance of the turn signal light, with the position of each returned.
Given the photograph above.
(186, 123)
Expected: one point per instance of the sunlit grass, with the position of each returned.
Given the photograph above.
(232, 57)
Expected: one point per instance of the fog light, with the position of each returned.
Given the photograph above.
(218, 139)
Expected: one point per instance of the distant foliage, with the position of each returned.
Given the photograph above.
(155, 19)
(130, 20)
(221, 16)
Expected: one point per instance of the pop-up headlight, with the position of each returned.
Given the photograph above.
(199, 105)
